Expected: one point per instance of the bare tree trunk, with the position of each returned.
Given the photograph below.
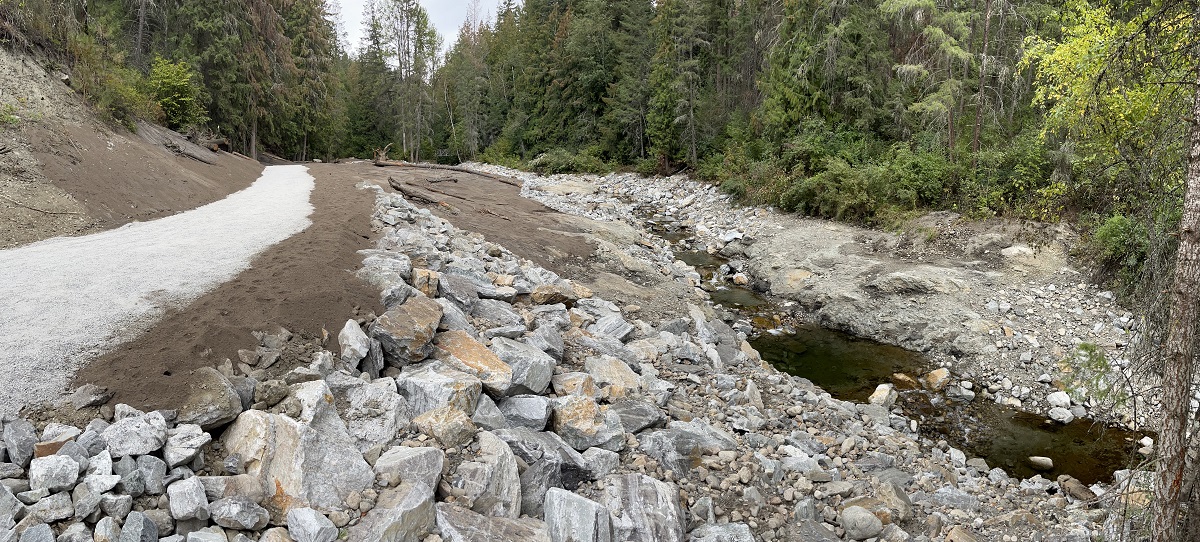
(1180, 351)
(987, 26)
(254, 135)
(140, 39)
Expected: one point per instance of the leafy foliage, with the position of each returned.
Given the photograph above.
(173, 87)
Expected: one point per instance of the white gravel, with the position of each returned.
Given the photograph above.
(66, 300)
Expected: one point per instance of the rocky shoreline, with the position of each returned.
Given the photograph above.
(495, 400)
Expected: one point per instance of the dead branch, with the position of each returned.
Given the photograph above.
(19, 204)
(493, 213)
(442, 180)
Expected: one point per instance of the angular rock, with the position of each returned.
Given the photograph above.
(241, 485)
(458, 524)
(54, 473)
(548, 462)
(810, 530)
(549, 294)
(85, 500)
(116, 506)
(884, 396)
(644, 509)
(239, 513)
(468, 355)
(310, 459)
(637, 414)
(400, 514)
(56, 507)
(613, 326)
(107, 530)
(449, 425)
(454, 318)
(491, 313)
(490, 484)
(575, 384)
(53, 438)
(488, 416)
(677, 446)
(38, 533)
(582, 424)
(374, 411)
(894, 497)
(188, 500)
(614, 375)
(572, 518)
(9, 505)
(213, 402)
(20, 437)
(162, 519)
(532, 368)
(405, 332)
(434, 384)
(139, 528)
(729, 532)
(355, 344)
(154, 474)
(532, 411)
(936, 380)
(418, 466)
(138, 435)
(308, 525)
(183, 443)
(860, 523)
(601, 462)
(458, 289)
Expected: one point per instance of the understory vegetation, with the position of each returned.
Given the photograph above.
(868, 111)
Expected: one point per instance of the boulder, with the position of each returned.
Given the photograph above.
(458, 524)
(614, 375)
(573, 518)
(426, 281)
(575, 384)
(188, 500)
(637, 414)
(310, 459)
(936, 380)
(532, 411)
(240, 485)
(405, 331)
(547, 339)
(20, 437)
(489, 483)
(460, 290)
(681, 443)
(729, 532)
(183, 443)
(488, 416)
(38, 533)
(466, 354)
(418, 466)
(1061, 415)
(613, 325)
(546, 462)
(643, 509)
(139, 528)
(139, 435)
(355, 344)
(53, 473)
(373, 411)
(434, 384)
(401, 514)
(532, 368)
(550, 294)
(308, 525)
(884, 396)
(454, 319)
(239, 513)
(582, 424)
(448, 425)
(213, 401)
(860, 523)
(492, 313)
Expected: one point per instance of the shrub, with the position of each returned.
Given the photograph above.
(173, 87)
(561, 160)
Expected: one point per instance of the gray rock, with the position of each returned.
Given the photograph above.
(434, 384)
(139, 528)
(637, 414)
(85, 501)
(133, 480)
(374, 411)
(183, 443)
(601, 462)
(400, 514)
(450, 426)
(729, 532)
(243, 485)
(9, 505)
(548, 462)
(56, 507)
(311, 458)
(154, 474)
(532, 411)
(860, 523)
(613, 326)
(20, 438)
(490, 483)
(644, 509)
(531, 367)
(547, 339)
(955, 498)
(308, 525)
(140, 434)
(162, 519)
(488, 416)
(355, 344)
(406, 331)
(239, 513)
(677, 446)
(492, 313)
(458, 524)
(11, 470)
(894, 497)
(107, 530)
(453, 319)
(1061, 415)
(116, 506)
(810, 530)
(38, 533)
(582, 424)
(91, 439)
(458, 289)
(205, 536)
(1041, 463)
(418, 466)
(572, 518)
(614, 374)
(213, 403)
(1059, 399)
(188, 500)
(54, 473)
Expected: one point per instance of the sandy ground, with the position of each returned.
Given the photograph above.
(67, 299)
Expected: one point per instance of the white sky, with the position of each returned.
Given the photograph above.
(447, 17)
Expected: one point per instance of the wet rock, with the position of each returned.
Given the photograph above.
(311, 458)
(644, 509)
(355, 344)
(582, 424)
(681, 443)
(53, 473)
(936, 380)
(489, 483)
(531, 368)
(613, 374)
(434, 385)
(572, 518)
(532, 411)
(188, 500)
(1041, 463)
(308, 525)
(860, 523)
(405, 332)
(458, 524)
(729, 532)
(450, 426)
(183, 443)
(213, 402)
(468, 355)
(239, 513)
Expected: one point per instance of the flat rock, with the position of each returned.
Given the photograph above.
(643, 509)
(418, 466)
(183, 443)
(492, 313)
(400, 514)
(677, 446)
(53, 473)
(637, 414)
(405, 331)
(458, 524)
(213, 401)
(573, 518)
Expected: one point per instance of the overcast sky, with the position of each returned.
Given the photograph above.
(447, 17)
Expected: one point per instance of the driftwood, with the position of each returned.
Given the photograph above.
(381, 160)
(442, 180)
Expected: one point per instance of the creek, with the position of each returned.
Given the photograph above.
(850, 368)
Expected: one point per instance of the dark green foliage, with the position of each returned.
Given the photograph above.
(173, 87)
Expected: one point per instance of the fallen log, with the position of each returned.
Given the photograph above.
(382, 161)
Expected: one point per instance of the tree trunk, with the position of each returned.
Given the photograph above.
(140, 39)
(253, 136)
(1180, 351)
(987, 26)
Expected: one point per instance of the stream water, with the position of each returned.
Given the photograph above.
(850, 368)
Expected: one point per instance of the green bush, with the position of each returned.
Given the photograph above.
(173, 87)
(561, 160)
(103, 80)
(1120, 246)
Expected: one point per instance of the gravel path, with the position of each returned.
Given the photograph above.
(66, 300)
